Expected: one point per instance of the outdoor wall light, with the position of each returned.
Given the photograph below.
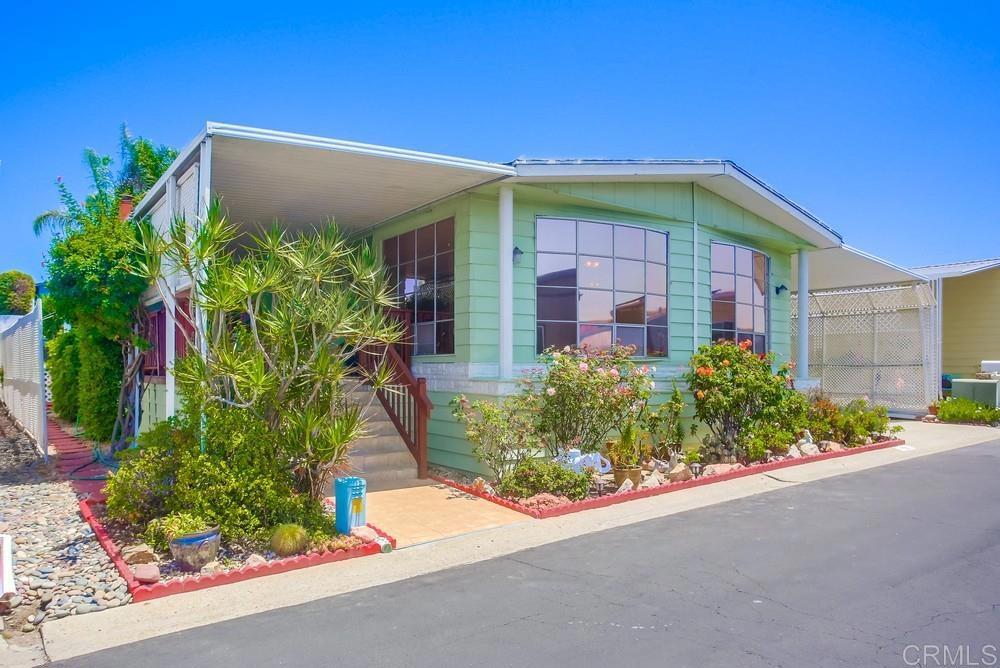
(781, 288)
(696, 469)
(517, 255)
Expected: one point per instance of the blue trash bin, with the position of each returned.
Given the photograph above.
(351, 503)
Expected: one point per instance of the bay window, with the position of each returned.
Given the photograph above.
(600, 283)
(739, 295)
(422, 265)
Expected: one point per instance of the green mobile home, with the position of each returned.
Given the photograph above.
(497, 261)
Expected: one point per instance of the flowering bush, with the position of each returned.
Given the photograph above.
(960, 409)
(581, 395)
(734, 392)
(853, 424)
(503, 435)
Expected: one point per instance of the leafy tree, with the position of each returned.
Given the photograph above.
(17, 292)
(90, 283)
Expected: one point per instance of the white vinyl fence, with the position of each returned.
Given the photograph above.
(22, 360)
(878, 342)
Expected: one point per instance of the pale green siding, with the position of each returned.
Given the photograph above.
(670, 207)
(154, 405)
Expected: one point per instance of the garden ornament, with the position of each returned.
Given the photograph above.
(576, 461)
(807, 437)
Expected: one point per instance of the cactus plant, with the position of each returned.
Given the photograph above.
(288, 539)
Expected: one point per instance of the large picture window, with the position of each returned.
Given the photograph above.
(601, 283)
(422, 264)
(739, 295)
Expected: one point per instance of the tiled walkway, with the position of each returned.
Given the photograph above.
(432, 512)
(69, 453)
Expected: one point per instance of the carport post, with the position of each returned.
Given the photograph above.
(506, 216)
(802, 359)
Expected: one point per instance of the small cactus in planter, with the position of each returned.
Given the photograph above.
(289, 539)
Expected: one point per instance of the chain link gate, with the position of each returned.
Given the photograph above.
(877, 342)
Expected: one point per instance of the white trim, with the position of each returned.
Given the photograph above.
(170, 340)
(802, 356)
(326, 143)
(153, 195)
(917, 276)
(506, 277)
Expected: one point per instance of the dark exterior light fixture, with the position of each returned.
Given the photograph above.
(781, 288)
(696, 469)
(517, 255)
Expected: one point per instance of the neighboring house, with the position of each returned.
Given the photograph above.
(968, 297)
(496, 262)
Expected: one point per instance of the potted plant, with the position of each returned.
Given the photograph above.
(192, 542)
(666, 431)
(933, 408)
(625, 454)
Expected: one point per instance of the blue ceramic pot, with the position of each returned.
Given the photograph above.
(194, 550)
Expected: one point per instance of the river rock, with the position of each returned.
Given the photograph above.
(719, 469)
(138, 554)
(830, 446)
(626, 486)
(654, 479)
(809, 449)
(365, 533)
(793, 453)
(255, 560)
(680, 473)
(146, 573)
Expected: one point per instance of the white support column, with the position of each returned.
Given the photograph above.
(169, 305)
(506, 215)
(204, 201)
(802, 359)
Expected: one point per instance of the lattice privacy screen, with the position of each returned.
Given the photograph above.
(877, 342)
(23, 362)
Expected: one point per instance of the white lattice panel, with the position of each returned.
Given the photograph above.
(877, 343)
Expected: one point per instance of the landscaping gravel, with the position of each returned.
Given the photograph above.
(59, 567)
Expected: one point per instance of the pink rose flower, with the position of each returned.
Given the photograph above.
(550, 391)
(583, 366)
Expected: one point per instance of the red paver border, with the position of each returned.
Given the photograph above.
(146, 592)
(666, 488)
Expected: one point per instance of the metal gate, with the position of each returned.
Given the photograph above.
(877, 342)
(22, 360)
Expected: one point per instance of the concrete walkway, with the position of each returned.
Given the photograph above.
(426, 513)
(73, 636)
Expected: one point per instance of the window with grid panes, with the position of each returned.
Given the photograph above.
(599, 283)
(739, 295)
(422, 264)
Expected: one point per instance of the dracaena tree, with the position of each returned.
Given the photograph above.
(278, 323)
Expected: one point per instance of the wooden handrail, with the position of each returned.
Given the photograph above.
(406, 401)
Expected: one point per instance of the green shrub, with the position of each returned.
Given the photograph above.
(536, 476)
(289, 539)
(160, 531)
(64, 371)
(138, 491)
(17, 292)
(735, 393)
(100, 379)
(502, 434)
(960, 409)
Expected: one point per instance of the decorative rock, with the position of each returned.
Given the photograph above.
(84, 608)
(680, 473)
(793, 453)
(830, 446)
(365, 533)
(809, 449)
(483, 487)
(28, 627)
(719, 469)
(211, 568)
(654, 479)
(255, 560)
(544, 500)
(9, 602)
(145, 573)
(138, 554)
(625, 487)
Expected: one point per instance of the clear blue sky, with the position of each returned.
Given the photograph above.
(883, 118)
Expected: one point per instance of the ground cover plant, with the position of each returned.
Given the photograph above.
(962, 410)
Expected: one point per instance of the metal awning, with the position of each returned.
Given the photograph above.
(302, 180)
(846, 267)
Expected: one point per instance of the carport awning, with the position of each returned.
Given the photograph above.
(846, 267)
(302, 180)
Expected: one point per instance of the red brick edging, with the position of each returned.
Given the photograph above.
(146, 592)
(612, 499)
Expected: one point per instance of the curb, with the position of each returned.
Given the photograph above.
(146, 592)
(666, 488)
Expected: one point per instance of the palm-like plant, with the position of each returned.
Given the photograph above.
(278, 326)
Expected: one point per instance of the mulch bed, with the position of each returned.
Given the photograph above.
(91, 511)
(613, 499)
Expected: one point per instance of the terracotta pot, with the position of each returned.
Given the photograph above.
(932, 409)
(633, 473)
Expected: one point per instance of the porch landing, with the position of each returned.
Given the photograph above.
(432, 512)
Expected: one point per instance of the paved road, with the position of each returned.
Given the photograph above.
(847, 571)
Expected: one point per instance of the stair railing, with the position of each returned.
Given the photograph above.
(405, 400)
